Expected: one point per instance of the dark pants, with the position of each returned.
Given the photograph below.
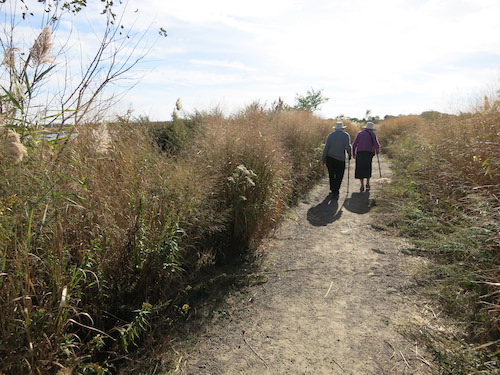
(336, 170)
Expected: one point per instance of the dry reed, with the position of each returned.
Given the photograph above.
(39, 53)
(13, 151)
(99, 229)
(449, 172)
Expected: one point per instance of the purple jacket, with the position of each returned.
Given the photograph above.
(366, 140)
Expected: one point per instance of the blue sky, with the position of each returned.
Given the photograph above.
(388, 56)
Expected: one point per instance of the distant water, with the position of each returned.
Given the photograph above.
(54, 136)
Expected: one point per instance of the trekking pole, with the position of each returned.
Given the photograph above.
(379, 170)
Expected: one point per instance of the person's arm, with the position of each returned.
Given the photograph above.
(355, 146)
(325, 148)
(348, 146)
(376, 145)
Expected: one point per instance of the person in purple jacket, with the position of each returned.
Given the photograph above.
(337, 145)
(364, 147)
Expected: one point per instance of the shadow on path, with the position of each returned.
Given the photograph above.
(324, 213)
(358, 203)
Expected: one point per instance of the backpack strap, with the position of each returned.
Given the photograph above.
(373, 141)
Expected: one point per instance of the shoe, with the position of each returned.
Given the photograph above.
(361, 189)
(367, 187)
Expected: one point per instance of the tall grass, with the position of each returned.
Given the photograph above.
(99, 237)
(448, 193)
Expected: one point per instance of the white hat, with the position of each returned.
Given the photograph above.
(369, 125)
(339, 125)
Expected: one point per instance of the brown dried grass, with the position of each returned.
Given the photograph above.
(450, 170)
(87, 230)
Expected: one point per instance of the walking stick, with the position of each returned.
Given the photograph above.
(348, 170)
(379, 170)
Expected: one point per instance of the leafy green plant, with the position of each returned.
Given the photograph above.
(132, 332)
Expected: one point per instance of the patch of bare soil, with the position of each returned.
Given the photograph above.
(337, 289)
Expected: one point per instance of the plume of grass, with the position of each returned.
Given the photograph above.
(13, 151)
(39, 52)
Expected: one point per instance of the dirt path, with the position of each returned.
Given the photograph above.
(336, 290)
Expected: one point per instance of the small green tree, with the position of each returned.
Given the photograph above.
(311, 102)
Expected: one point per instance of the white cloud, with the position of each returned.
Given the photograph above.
(187, 77)
(222, 64)
(211, 12)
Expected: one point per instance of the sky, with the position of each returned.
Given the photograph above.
(390, 57)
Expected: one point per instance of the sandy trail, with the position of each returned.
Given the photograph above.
(337, 287)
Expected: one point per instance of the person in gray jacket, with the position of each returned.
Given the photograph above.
(337, 145)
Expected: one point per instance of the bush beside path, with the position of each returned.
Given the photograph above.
(338, 293)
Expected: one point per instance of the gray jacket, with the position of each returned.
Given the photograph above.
(337, 144)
